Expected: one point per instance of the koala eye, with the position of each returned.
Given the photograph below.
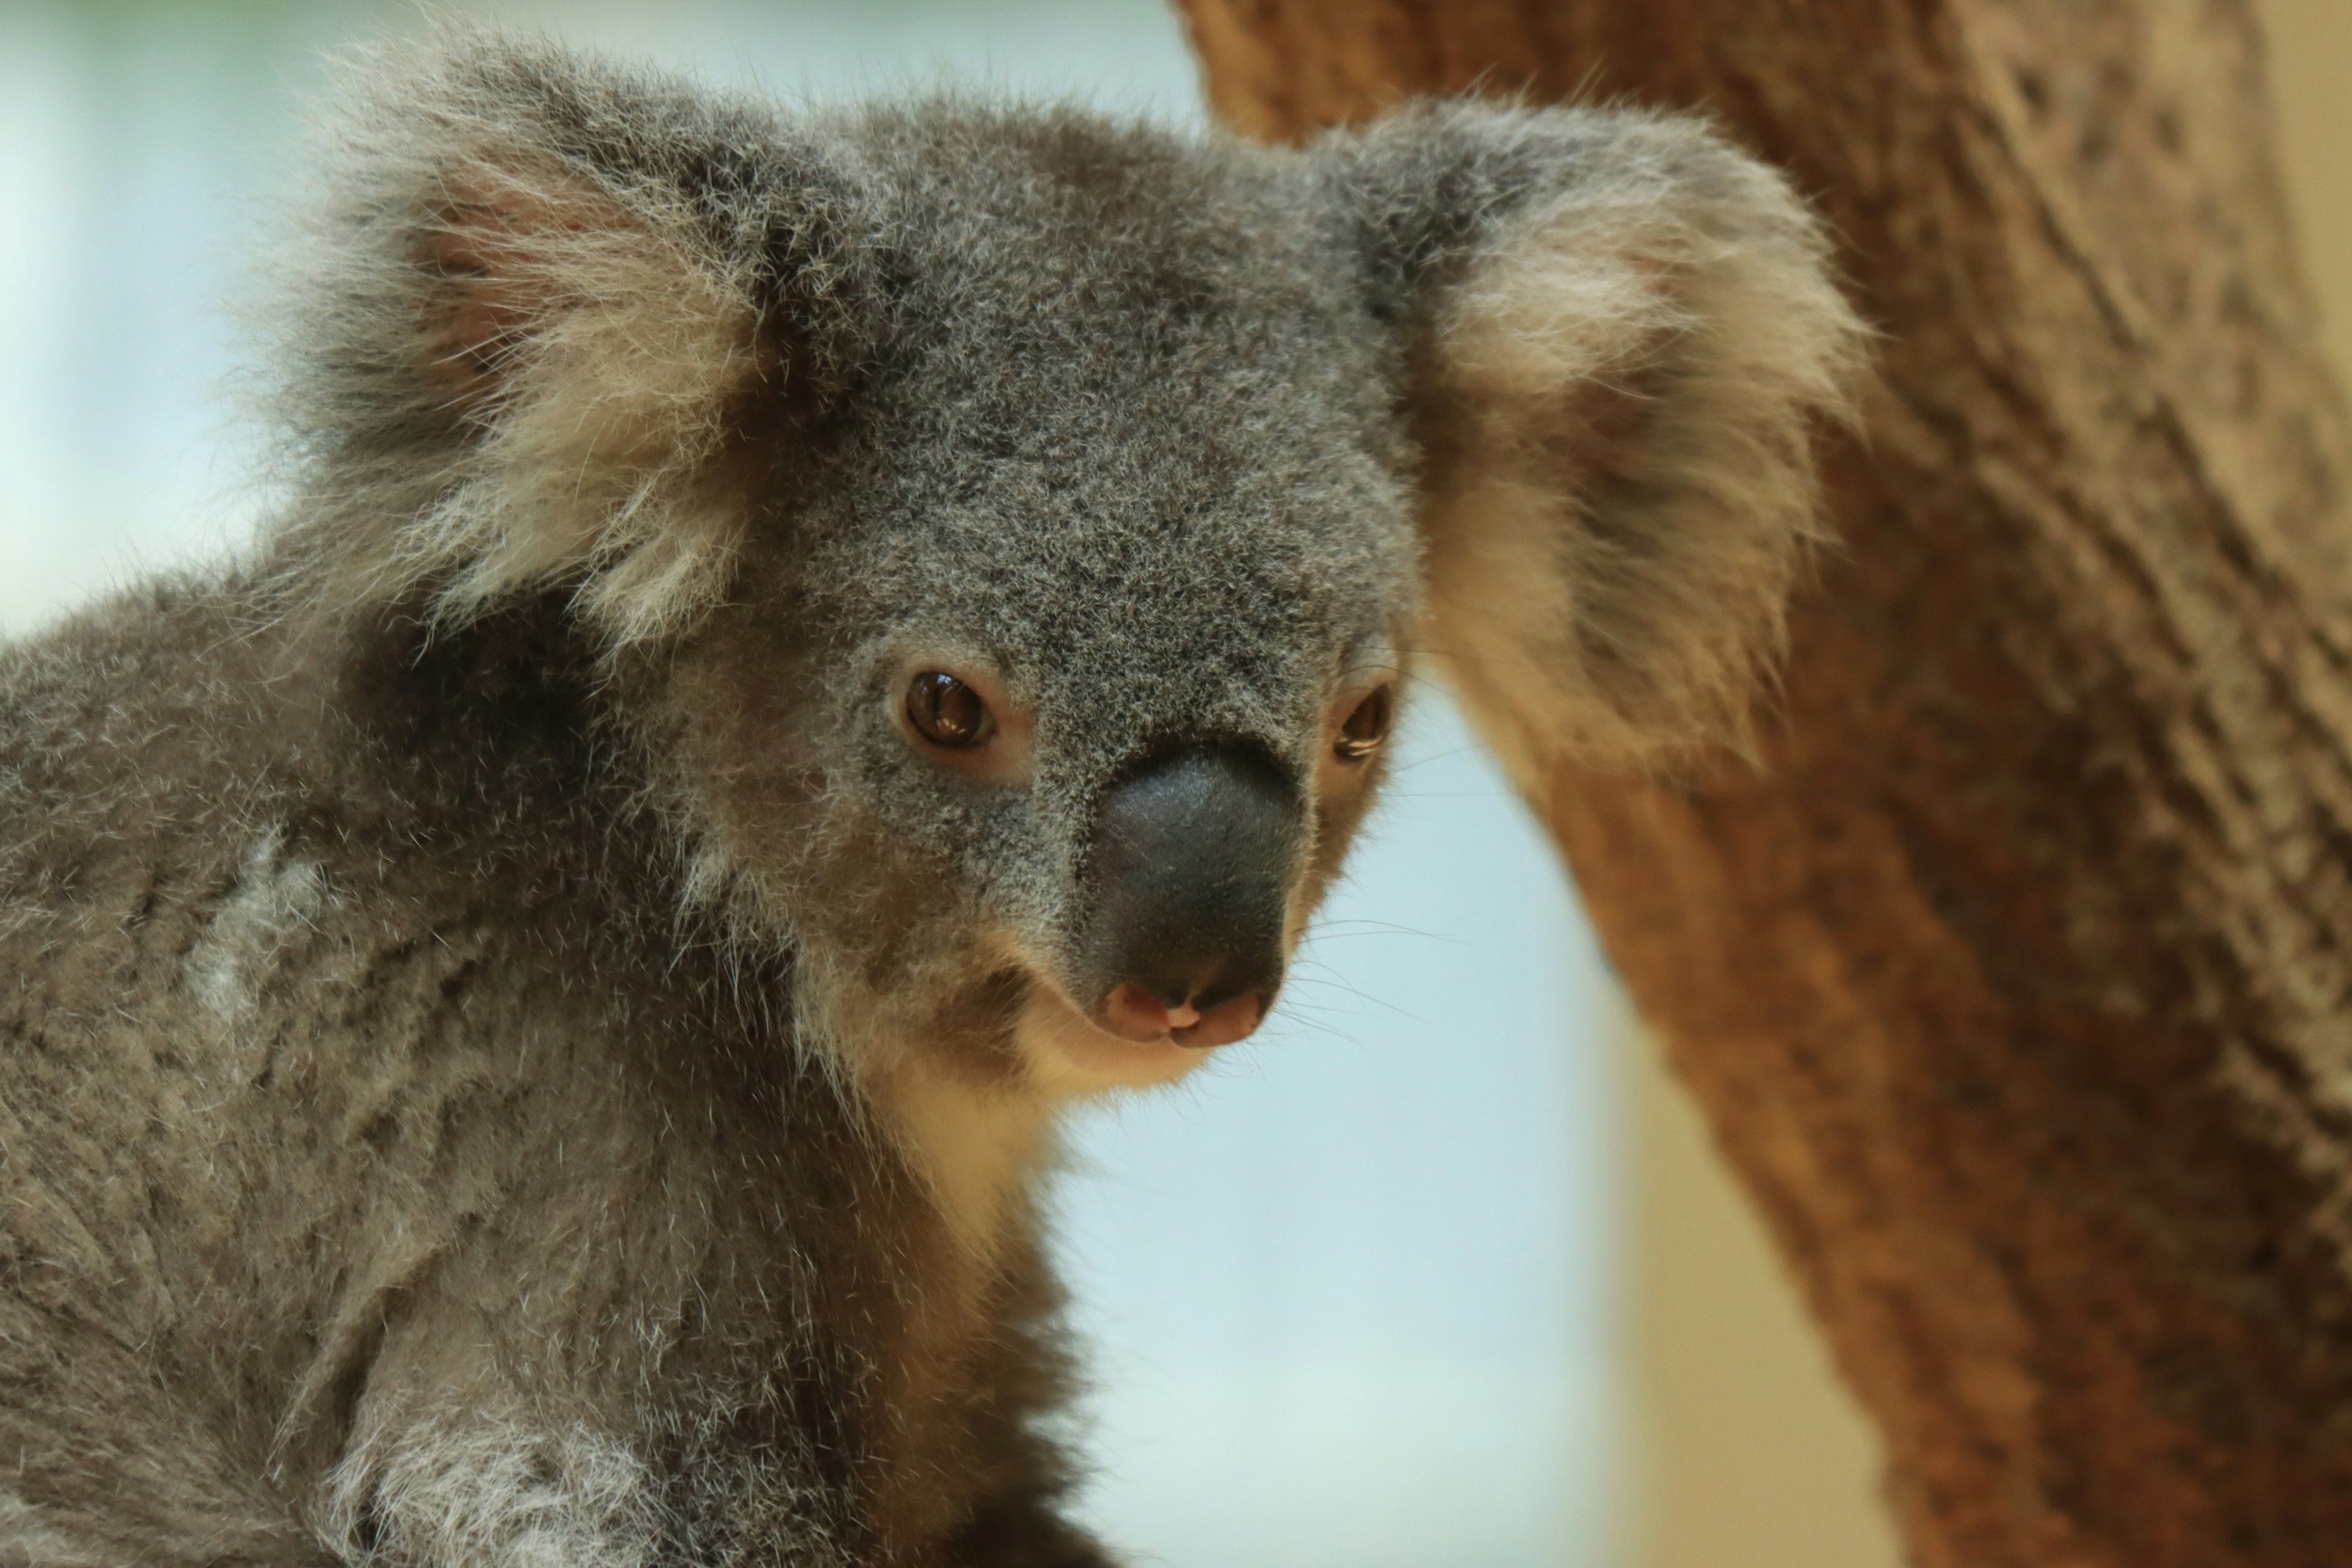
(1363, 731)
(947, 712)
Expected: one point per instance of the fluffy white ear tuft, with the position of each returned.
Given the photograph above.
(529, 361)
(1619, 359)
(607, 366)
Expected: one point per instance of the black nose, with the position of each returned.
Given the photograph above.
(1189, 876)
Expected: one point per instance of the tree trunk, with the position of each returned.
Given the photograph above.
(2016, 985)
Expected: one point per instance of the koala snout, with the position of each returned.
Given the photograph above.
(1189, 876)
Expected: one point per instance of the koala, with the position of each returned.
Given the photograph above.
(791, 648)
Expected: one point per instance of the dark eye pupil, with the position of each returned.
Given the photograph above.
(945, 711)
(1365, 727)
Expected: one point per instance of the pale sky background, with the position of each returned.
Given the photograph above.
(1348, 1298)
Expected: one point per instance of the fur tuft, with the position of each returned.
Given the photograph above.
(498, 1492)
(537, 347)
(1620, 365)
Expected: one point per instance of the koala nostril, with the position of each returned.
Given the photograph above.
(1223, 1024)
(1133, 1013)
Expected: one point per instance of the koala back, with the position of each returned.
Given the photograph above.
(402, 1147)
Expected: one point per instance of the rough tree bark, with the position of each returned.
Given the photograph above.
(2016, 988)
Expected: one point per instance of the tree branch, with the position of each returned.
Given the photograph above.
(2016, 987)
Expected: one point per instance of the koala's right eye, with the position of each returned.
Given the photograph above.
(947, 712)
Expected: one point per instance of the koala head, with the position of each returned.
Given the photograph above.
(1010, 530)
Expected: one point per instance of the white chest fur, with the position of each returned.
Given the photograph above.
(975, 1146)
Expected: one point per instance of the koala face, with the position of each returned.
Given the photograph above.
(1110, 561)
(1008, 530)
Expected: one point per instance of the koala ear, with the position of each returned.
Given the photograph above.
(545, 345)
(1621, 334)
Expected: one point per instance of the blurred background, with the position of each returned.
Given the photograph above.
(1437, 1269)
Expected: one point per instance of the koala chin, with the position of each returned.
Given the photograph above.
(534, 1000)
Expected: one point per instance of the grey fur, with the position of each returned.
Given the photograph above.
(508, 1056)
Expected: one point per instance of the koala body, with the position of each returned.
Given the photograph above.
(531, 1005)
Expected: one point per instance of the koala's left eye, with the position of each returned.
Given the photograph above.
(947, 712)
(1362, 732)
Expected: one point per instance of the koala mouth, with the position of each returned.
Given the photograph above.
(1071, 1056)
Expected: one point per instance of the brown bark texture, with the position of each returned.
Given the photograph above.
(2016, 984)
